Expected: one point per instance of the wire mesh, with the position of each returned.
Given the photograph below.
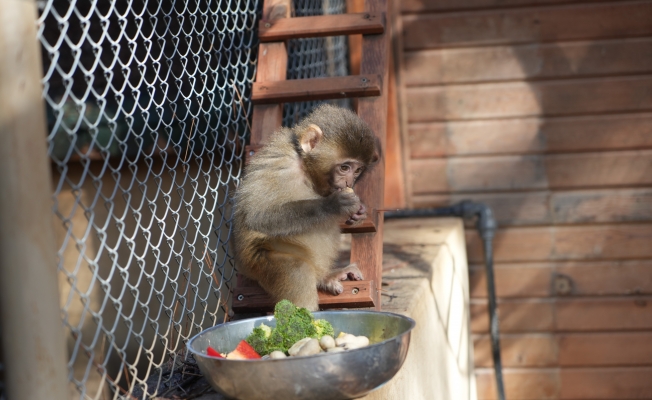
(148, 106)
(315, 57)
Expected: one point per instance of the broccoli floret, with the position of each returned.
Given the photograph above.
(323, 327)
(292, 324)
(258, 339)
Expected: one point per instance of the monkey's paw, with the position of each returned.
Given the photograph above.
(331, 283)
(358, 217)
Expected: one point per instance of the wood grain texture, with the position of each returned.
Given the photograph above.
(520, 384)
(530, 99)
(606, 383)
(394, 171)
(320, 26)
(569, 383)
(337, 87)
(566, 315)
(566, 349)
(527, 62)
(544, 24)
(592, 278)
(255, 299)
(528, 172)
(409, 6)
(531, 135)
(556, 208)
(367, 248)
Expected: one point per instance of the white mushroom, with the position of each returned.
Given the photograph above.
(327, 342)
(277, 354)
(297, 346)
(310, 348)
(350, 342)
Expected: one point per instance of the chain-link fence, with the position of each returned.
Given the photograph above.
(148, 112)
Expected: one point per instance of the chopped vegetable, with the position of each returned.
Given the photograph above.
(243, 351)
(292, 324)
(258, 339)
(213, 353)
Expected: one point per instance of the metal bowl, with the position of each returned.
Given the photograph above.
(329, 376)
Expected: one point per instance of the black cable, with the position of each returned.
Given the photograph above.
(486, 225)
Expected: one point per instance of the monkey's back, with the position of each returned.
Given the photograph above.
(273, 179)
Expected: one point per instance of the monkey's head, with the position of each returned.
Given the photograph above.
(336, 148)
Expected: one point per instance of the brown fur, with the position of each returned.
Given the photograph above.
(290, 203)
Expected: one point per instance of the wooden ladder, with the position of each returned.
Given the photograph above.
(271, 89)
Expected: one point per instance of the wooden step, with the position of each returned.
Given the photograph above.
(321, 25)
(356, 294)
(338, 87)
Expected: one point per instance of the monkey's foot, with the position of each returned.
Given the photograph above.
(331, 283)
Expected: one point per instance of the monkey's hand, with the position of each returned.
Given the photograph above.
(358, 217)
(346, 202)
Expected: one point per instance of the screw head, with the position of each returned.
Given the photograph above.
(364, 80)
(240, 297)
(355, 290)
(267, 25)
(251, 153)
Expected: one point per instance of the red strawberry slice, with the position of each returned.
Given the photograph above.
(213, 353)
(244, 351)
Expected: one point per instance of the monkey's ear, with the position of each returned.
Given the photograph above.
(310, 137)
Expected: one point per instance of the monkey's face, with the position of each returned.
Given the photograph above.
(345, 174)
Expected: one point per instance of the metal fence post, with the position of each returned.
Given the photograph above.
(32, 336)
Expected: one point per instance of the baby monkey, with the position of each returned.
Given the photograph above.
(294, 194)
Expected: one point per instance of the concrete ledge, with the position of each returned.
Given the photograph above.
(426, 278)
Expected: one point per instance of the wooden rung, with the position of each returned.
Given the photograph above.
(319, 26)
(338, 87)
(367, 226)
(356, 294)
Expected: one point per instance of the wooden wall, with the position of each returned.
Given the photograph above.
(543, 110)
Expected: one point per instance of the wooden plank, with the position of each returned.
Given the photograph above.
(546, 243)
(605, 349)
(356, 294)
(603, 314)
(626, 168)
(530, 99)
(566, 350)
(526, 62)
(509, 208)
(544, 24)
(321, 26)
(566, 207)
(520, 384)
(367, 248)
(528, 350)
(355, 41)
(478, 174)
(566, 315)
(606, 383)
(272, 66)
(394, 167)
(568, 383)
(529, 172)
(626, 205)
(337, 87)
(531, 135)
(367, 226)
(593, 278)
(414, 6)
(515, 316)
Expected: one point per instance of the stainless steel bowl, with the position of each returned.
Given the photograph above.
(329, 376)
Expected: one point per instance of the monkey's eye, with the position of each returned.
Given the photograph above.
(358, 171)
(344, 168)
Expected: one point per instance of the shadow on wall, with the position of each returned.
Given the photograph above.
(130, 264)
